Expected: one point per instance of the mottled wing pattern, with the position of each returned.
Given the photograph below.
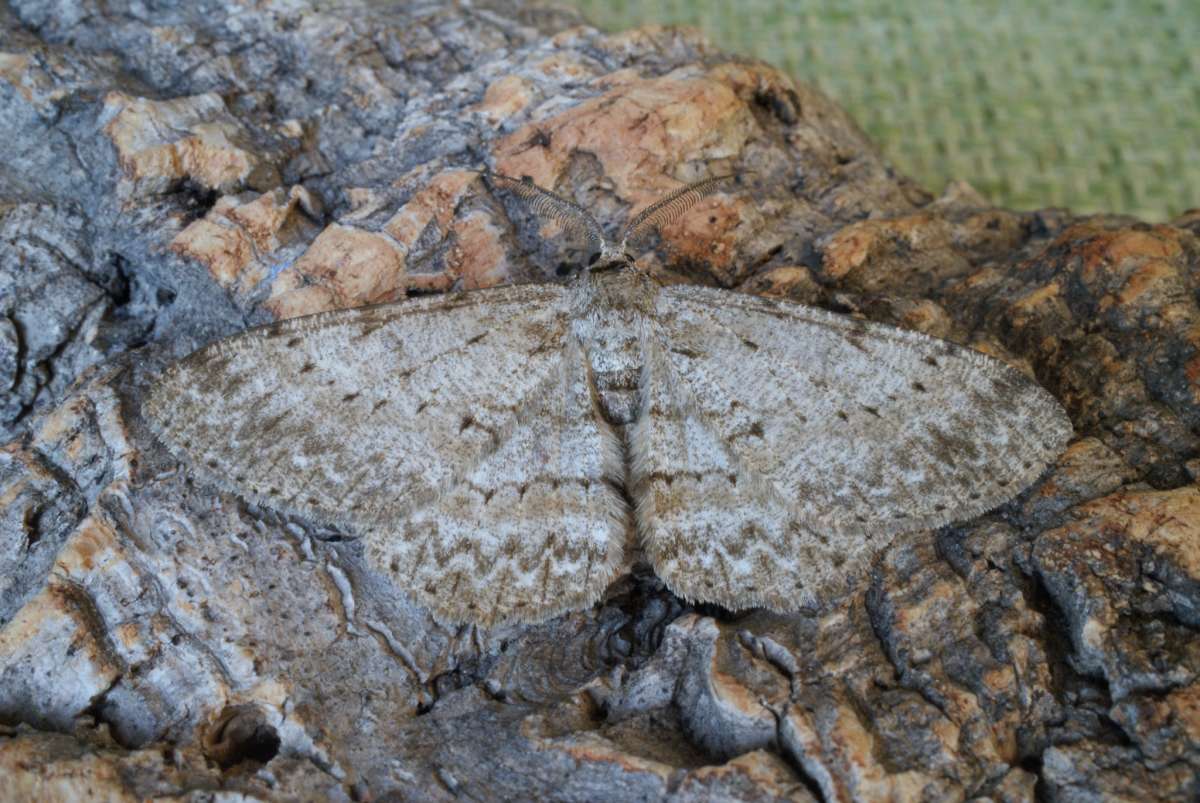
(433, 427)
(538, 527)
(780, 443)
(712, 530)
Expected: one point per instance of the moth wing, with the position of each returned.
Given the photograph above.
(414, 424)
(536, 528)
(781, 446)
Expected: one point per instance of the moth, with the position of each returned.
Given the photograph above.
(500, 451)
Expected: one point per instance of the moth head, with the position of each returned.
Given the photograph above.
(609, 257)
(580, 222)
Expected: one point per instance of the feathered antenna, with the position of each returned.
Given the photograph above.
(550, 205)
(671, 208)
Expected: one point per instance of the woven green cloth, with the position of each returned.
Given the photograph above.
(1086, 104)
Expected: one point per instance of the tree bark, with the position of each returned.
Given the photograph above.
(175, 174)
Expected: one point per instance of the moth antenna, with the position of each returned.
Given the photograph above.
(552, 206)
(672, 207)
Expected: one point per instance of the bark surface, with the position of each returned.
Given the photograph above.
(175, 174)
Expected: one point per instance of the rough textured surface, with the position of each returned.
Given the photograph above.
(158, 638)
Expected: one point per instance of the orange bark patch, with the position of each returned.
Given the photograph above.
(1169, 521)
(1186, 705)
(707, 233)
(226, 251)
(235, 237)
(1036, 300)
(351, 267)
(762, 769)
(435, 203)
(1037, 297)
(562, 66)
(1100, 249)
(1191, 369)
(1145, 278)
(162, 142)
(639, 131)
(856, 245)
(503, 98)
(928, 317)
(478, 256)
(81, 553)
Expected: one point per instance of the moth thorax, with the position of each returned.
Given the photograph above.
(615, 359)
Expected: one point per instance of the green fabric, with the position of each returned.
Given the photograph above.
(1086, 104)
